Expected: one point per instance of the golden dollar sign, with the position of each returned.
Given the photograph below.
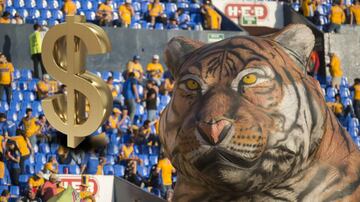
(64, 51)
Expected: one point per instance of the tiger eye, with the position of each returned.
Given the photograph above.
(192, 84)
(249, 79)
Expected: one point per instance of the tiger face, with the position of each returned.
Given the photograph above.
(244, 116)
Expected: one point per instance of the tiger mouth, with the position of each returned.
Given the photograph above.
(220, 155)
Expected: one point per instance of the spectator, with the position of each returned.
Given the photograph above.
(5, 18)
(30, 126)
(308, 8)
(52, 166)
(155, 10)
(35, 42)
(151, 99)
(314, 64)
(146, 137)
(337, 17)
(30, 197)
(104, 13)
(5, 194)
(100, 168)
(335, 70)
(355, 13)
(44, 130)
(24, 146)
(6, 70)
(126, 12)
(110, 83)
(337, 107)
(153, 182)
(85, 195)
(165, 167)
(135, 67)
(114, 121)
(18, 20)
(131, 174)
(155, 69)
(36, 182)
(173, 24)
(212, 20)
(131, 95)
(49, 189)
(90, 163)
(69, 8)
(2, 6)
(13, 156)
(356, 89)
(43, 87)
(3, 125)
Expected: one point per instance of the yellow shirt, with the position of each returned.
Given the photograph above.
(113, 121)
(1, 143)
(152, 67)
(125, 14)
(4, 21)
(166, 171)
(36, 183)
(337, 15)
(22, 145)
(136, 68)
(43, 86)
(211, 17)
(127, 150)
(335, 67)
(50, 167)
(104, 7)
(30, 126)
(3, 198)
(337, 108)
(99, 170)
(113, 90)
(306, 7)
(156, 10)
(2, 169)
(6, 70)
(355, 10)
(357, 92)
(70, 8)
(86, 196)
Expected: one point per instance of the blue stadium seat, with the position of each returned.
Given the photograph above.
(143, 171)
(155, 150)
(153, 159)
(164, 100)
(109, 170)
(119, 170)
(183, 5)
(29, 169)
(117, 75)
(39, 167)
(136, 6)
(41, 4)
(74, 169)
(3, 187)
(52, 22)
(40, 158)
(61, 168)
(195, 8)
(12, 116)
(353, 123)
(145, 159)
(23, 13)
(15, 105)
(15, 190)
(112, 149)
(25, 74)
(90, 15)
(105, 75)
(29, 96)
(44, 148)
(87, 5)
(45, 14)
(170, 8)
(23, 179)
(19, 3)
(346, 102)
(54, 147)
(136, 149)
(30, 3)
(344, 82)
(4, 107)
(17, 96)
(57, 14)
(36, 106)
(34, 14)
(159, 26)
(110, 160)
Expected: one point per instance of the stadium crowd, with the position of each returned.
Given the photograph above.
(32, 153)
(329, 15)
(153, 14)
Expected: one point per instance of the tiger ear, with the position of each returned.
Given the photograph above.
(298, 40)
(176, 51)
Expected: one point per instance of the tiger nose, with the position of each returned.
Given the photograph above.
(214, 131)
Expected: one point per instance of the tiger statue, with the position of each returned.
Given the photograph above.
(246, 123)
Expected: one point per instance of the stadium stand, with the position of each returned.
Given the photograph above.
(50, 12)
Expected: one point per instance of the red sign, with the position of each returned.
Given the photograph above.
(76, 181)
(260, 11)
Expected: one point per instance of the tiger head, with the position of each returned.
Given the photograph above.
(244, 115)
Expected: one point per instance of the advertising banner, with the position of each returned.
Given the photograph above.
(253, 13)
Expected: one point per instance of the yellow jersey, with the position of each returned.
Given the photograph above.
(357, 92)
(1, 143)
(113, 120)
(355, 10)
(307, 8)
(127, 151)
(6, 69)
(166, 171)
(136, 68)
(99, 170)
(4, 21)
(335, 67)
(337, 15)
(152, 67)
(155, 10)
(104, 7)
(86, 196)
(51, 167)
(125, 14)
(36, 183)
(43, 86)
(113, 90)
(30, 126)
(211, 18)
(2, 169)
(22, 145)
(70, 8)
